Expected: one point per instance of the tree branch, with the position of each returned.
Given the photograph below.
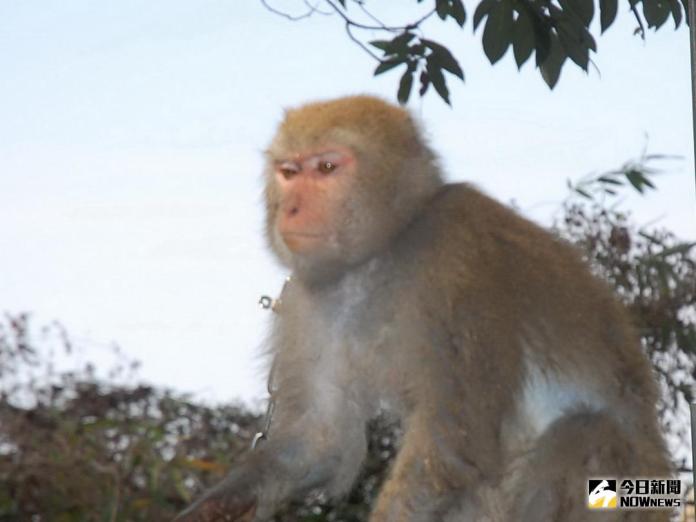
(315, 8)
(381, 26)
(641, 27)
(293, 18)
(359, 43)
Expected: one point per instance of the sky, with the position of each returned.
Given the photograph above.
(130, 158)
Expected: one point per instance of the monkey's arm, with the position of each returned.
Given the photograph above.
(429, 475)
(317, 446)
(231, 499)
(276, 470)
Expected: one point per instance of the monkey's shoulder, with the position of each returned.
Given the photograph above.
(468, 242)
(463, 221)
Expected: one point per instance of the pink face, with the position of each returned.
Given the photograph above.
(314, 186)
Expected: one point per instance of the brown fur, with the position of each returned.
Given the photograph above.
(516, 373)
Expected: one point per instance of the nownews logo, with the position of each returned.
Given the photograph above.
(633, 494)
(602, 494)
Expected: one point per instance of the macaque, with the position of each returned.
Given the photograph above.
(515, 373)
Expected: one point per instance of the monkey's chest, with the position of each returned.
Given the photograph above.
(362, 337)
(364, 357)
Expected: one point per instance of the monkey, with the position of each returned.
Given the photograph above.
(516, 373)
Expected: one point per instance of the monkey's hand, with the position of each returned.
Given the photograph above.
(221, 505)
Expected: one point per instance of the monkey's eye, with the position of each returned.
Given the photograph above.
(326, 167)
(288, 169)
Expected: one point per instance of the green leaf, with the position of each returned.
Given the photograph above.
(382, 45)
(438, 80)
(685, 4)
(581, 191)
(444, 58)
(452, 8)
(442, 8)
(648, 157)
(609, 180)
(607, 13)
(403, 39)
(386, 65)
(542, 38)
(585, 9)
(482, 10)
(582, 9)
(405, 85)
(398, 45)
(498, 31)
(636, 184)
(573, 46)
(647, 182)
(656, 12)
(425, 83)
(434, 46)
(416, 50)
(574, 36)
(522, 37)
(458, 12)
(675, 6)
(551, 68)
(638, 180)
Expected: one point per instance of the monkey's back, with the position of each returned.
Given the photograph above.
(528, 298)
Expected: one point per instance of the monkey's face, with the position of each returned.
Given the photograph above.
(311, 197)
(313, 187)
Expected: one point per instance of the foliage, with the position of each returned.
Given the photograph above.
(551, 31)
(635, 173)
(73, 448)
(653, 273)
(76, 448)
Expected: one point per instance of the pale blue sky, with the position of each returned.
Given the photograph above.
(129, 158)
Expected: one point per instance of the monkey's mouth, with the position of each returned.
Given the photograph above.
(289, 233)
(303, 242)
